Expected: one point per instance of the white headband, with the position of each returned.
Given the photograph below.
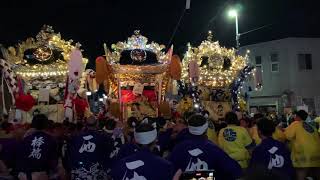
(146, 121)
(199, 130)
(145, 137)
(108, 131)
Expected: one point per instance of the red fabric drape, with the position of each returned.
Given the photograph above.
(25, 102)
(80, 105)
(128, 96)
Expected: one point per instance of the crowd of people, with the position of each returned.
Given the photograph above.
(160, 149)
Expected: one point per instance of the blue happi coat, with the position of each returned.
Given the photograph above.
(37, 152)
(199, 154)
(143, 165)
(274, 156)
(88, 155)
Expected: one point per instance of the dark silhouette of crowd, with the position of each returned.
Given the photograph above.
(160, 149)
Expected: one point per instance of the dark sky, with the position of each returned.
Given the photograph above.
(92, 22)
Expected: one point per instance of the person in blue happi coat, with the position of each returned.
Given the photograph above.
(143, 164)
(38, 151)
(271, 155)
(88, 153)
(197, 153)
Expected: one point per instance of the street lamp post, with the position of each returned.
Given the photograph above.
(234, 13)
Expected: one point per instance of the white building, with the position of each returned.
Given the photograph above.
(288, 66)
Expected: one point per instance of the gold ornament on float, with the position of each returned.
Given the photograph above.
(42, 54)
(40, 67)
(141, 69)
(218, 66)
(138, 45)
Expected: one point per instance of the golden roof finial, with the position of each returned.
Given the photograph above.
(137, 41)
(209, 38)
(137, 32)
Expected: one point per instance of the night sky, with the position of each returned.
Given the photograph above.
(92, 22)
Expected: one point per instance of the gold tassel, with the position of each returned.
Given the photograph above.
(106, 85)
(174, 87)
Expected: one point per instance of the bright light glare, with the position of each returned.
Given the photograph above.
(101, 99)
(88, 93)
(233, 13)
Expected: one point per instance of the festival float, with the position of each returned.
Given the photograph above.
(135, 75)
(42, 75)
(213, 76)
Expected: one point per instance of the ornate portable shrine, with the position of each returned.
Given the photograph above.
(43, 61)
(42, 64)
(139, 75)
(217, 72)
(218, 66)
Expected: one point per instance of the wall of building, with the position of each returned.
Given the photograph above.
(304, 83)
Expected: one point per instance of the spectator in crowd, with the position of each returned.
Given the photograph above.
(278, 134)
(130, 147)
(88, 153)
(245, 122)
(211, 132)
(180, 129)
(235, 140)
(5, 131)
(37, 153)
(115, 134)
(131, 123)
(143, 164)
(305, 146)
(164, 134)
(270, 154)
(253, 131)
(199, 154)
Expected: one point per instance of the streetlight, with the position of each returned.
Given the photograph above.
(234, 14)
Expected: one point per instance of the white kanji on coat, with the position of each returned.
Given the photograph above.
(36, 150)
(87, 146)
(195, 163)
(275, 159)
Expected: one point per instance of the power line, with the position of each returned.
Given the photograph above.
(176, 27)
(220, 10)
(256, 29)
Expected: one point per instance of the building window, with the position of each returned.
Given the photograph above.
(305, 61)
(258, 73)
(310, 104)
(274, 58)
(258, 60)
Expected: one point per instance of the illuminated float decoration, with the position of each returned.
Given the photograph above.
(42, 68)
(215, 75)
(136, 74)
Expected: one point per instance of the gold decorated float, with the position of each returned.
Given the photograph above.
(41, 66)
(42, 61)
(218, 66)
(138, 75)
(215, 71)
